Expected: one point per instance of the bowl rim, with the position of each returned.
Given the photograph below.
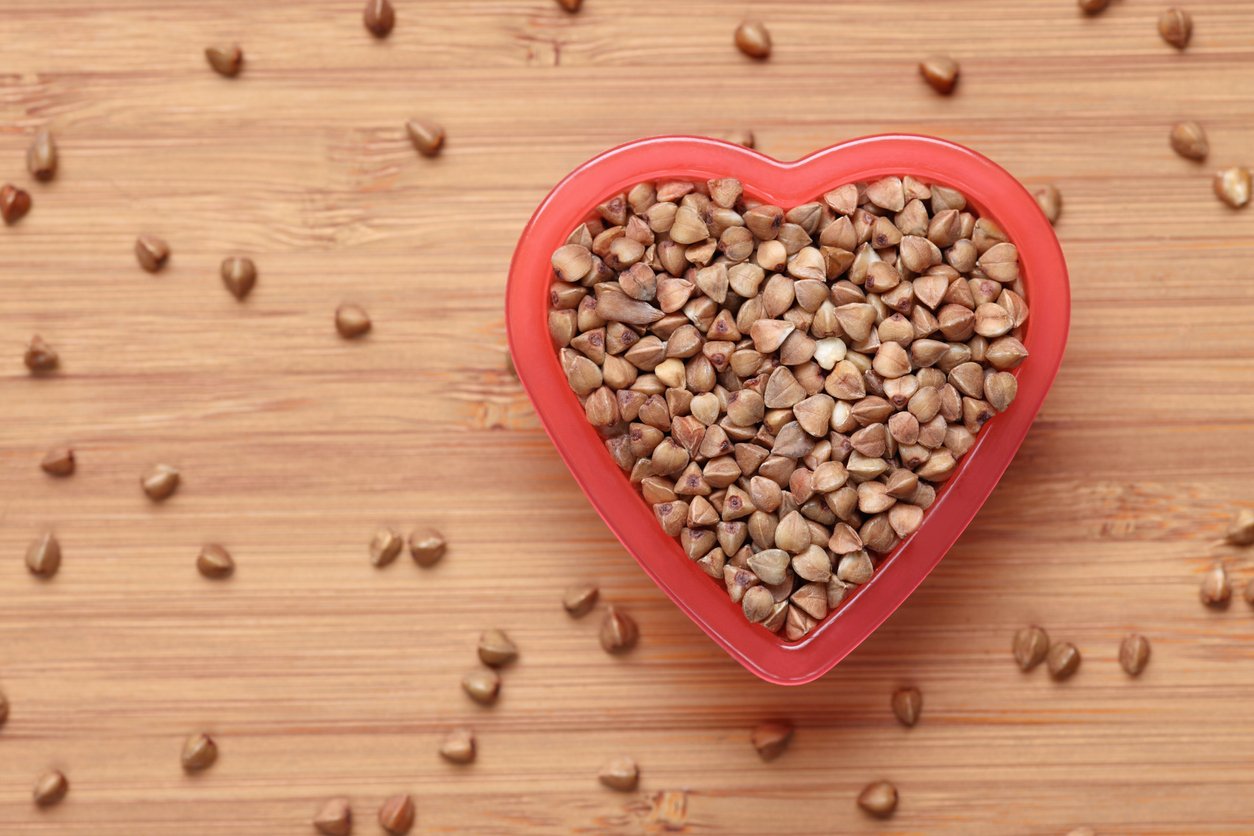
(988, 188)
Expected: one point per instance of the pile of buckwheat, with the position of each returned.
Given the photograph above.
(787, 387)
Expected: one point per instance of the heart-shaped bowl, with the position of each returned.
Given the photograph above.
(989, 189)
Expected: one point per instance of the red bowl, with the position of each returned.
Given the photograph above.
(993, 193)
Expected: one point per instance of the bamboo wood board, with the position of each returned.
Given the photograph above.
(322, 676)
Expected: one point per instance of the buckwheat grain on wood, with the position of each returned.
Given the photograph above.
(334, 818)
(1134, 654)
(14, 203)
(878, 799)
(1233, 186)
(496, 649)
(1063, 660)
(427, 137)
(427, 546)
(160, 482)
(215, 562)
(579, 599)
(40, 358)
(385, 545)
(50, 788)
(239, 275)
(43, 556)
(482, 685)
(1188, 139)
(58, 461)
(620, 774)
(41, 156)
(1176, 27)
(1050, 200)
(1241, 530)
(1031, 645)
(352, 321)
(397, 815)
(458, 746)
(619, 632)
(771, 738)
(753, 39)
(940, 72)
(907, 705)
(225, 59)
(200, 751)
(1216, 588)
(151, 252)
(379, 17)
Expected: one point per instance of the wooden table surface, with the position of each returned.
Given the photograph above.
(323, 676)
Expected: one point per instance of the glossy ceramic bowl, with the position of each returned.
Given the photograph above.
(989, 189)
